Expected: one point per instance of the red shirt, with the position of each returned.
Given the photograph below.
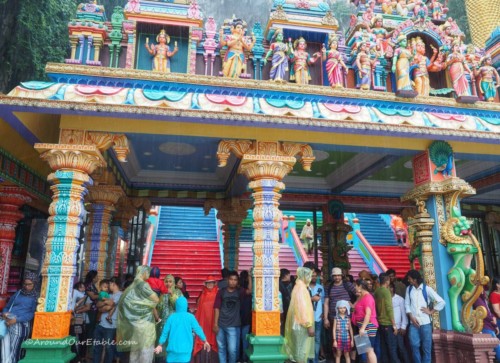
(495, 299)
(157, 285)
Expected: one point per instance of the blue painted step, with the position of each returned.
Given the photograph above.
(186, 224)
(376, 230)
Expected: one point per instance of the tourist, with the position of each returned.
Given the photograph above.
(299, 326)
(489, 322)
(307, 236)
(91, 279)
(365, 317)
(105, 331)
(166, 307)
(227, 320)
(401, 321)
(400, 288)
(103, 294)
(205, 316)
(135, 324)
(286, 294)
(179, 332)
(18, 313)
(158, 286)
(387, 326)
(495, 298)
(336, 291)
(179, 283)
(343, 337)
(246, 316)
(80, 304)
(421, 302)
(317, 298)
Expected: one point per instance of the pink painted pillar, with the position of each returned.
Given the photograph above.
(11, 199)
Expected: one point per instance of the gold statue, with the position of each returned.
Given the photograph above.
(161, 52)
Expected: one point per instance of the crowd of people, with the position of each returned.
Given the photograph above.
(146, 319)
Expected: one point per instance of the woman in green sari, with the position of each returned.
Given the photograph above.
(166, 307)
(135, 331)
(299, 326)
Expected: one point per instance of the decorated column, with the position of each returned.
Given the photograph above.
(265, 164)
(231, 212)
(103, 199)
(11, 199)
(72, 165)
(447, 247)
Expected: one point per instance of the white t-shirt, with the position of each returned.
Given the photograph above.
(104, 323)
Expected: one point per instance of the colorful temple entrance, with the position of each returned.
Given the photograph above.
(160, 106)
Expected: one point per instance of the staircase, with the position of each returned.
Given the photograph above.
(376, 230)
(246, 234)
(357, 263)
(186, 246)
(396, 258)
(286, 256)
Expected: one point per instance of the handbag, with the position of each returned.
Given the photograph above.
(3, 324)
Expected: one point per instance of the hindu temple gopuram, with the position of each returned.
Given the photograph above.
(157, 104)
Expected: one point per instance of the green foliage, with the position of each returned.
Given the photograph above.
(342, 11)
(39, 35)
(109, 5)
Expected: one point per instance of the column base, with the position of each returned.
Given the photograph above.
(450, 347)
(266, 349)
(48, 350)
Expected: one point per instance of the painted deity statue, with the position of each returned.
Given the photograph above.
(487, 85)
(380, 34)
(457, 69)
(301, 60)
(466, 284)
(401, 65)
(234, 61)
(421, 65)
(437, 10)
(335, 66)
(280, 52)
(161, 52)
(388, 6)
(402, 8)
(365, 65)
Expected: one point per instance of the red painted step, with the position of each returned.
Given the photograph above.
(357, 263)
(192, 261)
(396, 258)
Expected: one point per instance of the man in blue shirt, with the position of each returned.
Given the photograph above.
(105, 332)
(317, 297)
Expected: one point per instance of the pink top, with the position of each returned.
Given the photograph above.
(366, 301)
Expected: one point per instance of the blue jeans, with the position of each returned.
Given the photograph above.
(388, 344)
(421, 339)
(403, 354)
(373, 342)
(497, 349)
(228, 341)
(104, 338)
(245, 329)
(318, 327)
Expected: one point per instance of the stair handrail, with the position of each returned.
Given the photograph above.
(295, 243)
(154, 220)
(365, 249)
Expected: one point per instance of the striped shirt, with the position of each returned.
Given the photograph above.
(337, 293)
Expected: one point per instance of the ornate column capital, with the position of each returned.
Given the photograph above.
(229, 211)
(105, 194)
(66, 157)
(101, 140)
(125, 211)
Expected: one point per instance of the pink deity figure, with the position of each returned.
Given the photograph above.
(133, 6)
(457, 69)
(194, 10)
(301, 60)
(161, 52)
(437, 10)
(335, 67)
(380, 34)
(487, 75)
(365, 66)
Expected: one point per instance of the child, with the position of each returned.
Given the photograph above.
(178, 332)
(103, 294)
(342, 332)
(158, 286)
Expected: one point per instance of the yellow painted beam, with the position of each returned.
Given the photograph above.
(44, 126)
(142, 126)
(18, 147)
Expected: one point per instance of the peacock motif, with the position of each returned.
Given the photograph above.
(441, 154)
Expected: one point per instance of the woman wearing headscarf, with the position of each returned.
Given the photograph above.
(307, 236)
(135, 331)
(205, 316)
(299, 326)
(18, 314)
(166, 307)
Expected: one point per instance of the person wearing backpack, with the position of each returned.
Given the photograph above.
(421, 302)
